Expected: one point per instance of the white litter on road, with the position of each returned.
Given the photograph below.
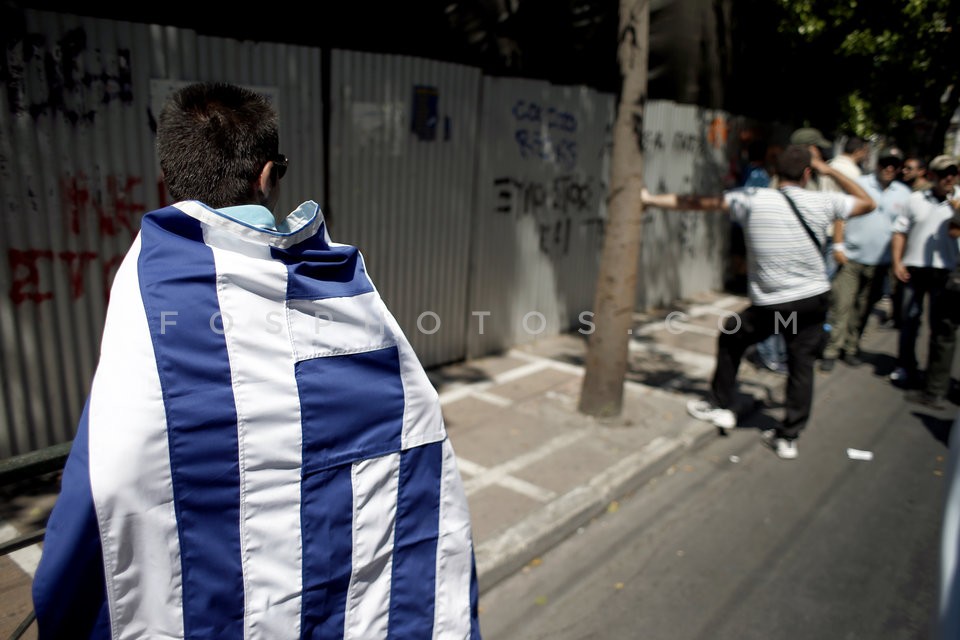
(857, 454)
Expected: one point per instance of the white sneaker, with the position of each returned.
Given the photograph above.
(708, 412)
(900, 375)
(786, 449)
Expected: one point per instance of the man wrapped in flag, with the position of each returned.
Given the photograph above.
(261, 455)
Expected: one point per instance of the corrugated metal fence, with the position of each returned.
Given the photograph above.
(78, 169)
(403, 142)
(473, 199)
(539, 210)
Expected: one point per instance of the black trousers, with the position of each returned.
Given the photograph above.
(929, 283)
(801, 324)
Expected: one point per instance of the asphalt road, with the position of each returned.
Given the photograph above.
(735, 543)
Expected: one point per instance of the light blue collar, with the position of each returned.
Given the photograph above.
(255, 215)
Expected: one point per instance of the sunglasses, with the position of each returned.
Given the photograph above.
(949, 172)
(889, 162)
(280, 162)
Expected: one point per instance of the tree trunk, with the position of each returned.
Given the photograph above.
(606, 366)
(948, 107)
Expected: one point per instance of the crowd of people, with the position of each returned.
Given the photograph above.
(820, 242)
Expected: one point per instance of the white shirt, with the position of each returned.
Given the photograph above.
(926, 222)
(783, 264)
(867, 237)
(846, 166)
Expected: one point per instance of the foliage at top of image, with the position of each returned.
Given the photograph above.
(886, 63)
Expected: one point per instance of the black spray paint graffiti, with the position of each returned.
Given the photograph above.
(44, 79)
(547, 139)
(681, 142)
(557, 207)
(565, 194)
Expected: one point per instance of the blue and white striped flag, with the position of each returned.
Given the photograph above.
(261, 456)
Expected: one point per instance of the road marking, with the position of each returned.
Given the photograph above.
(502, 472)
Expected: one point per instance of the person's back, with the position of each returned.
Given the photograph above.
(855, 151)
(261, 455)
(788, 295)
(781, 268)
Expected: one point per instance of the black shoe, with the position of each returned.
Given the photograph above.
(926, 399)
(852, 359)
(827, 364)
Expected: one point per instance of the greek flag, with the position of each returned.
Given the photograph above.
(261, 455)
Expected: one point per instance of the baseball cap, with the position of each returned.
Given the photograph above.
(942, 162)
(807, 136)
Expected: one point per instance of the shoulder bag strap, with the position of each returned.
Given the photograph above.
(803, 222)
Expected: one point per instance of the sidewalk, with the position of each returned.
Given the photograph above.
(534, 468)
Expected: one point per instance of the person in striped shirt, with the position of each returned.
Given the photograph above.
(789, 290)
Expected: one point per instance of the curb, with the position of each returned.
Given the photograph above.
(506, 554)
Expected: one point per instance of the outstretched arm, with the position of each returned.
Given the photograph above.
(684, 202)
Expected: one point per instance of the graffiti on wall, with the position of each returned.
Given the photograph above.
(109, 212)
(69, 77)
(561, 204)
(61, 76)
(557, 206)
(545, 133)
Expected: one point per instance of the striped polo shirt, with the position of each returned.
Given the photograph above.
(783, 265)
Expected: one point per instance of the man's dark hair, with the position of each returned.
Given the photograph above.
(792, 161)
(213, 140)
(854, 144)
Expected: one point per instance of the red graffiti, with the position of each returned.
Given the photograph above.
(76, 263)
(122, 207)
(27, 265)
(112, 209)
(27, 286)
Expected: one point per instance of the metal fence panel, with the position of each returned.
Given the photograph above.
(682, 252)
(78, 169)
(473, 199)
(402, 166)
(541, 191)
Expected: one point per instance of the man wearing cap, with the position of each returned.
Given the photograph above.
(863, 253)
(807, 137)
(810, 137)
(924, 254)
(789, 292)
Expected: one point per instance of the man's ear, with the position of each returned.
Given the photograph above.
(265, 182)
